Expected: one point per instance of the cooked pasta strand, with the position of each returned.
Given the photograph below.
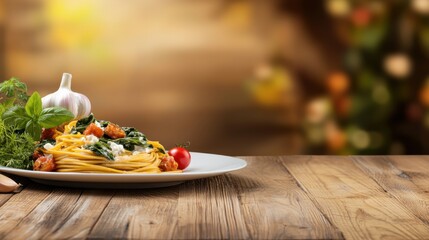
(71, 156)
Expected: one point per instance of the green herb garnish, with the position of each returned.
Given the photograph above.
(129, 143)
(14, 91)
(33, 118)
(15, 148)
(101, 148)
(83, 123)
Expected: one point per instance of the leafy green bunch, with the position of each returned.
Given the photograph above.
(33, 118)
(21, 123)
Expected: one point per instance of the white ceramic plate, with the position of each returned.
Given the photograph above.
(202, 165)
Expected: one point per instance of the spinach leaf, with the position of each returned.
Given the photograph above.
(132, 138)
(101, 148)
(132, 132)
(45, 141)
(83, 123)
(161, 150)
(129, 143)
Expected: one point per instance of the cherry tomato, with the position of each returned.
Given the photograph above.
(181, 156)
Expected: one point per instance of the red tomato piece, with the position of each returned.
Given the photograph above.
(48, 133)
(168, 164)
(44, 163)
(181, 156)
(37, 154)
(94, 130)
(114, 131)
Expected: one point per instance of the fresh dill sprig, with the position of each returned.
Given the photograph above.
(15, 148)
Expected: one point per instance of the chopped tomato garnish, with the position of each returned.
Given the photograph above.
(48, 133)
(114, 131)
(36, 154)
(44, 163)
(94, 130)
(168, 164)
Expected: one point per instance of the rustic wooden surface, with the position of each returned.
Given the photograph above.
(283, 197)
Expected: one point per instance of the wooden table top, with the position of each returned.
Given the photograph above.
(304, 197)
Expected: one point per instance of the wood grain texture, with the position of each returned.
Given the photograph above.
(416, 167)
(274, 206)
(276, 197)
(85, 213)
(19, 206)
(48, 216)
(397, 183)
(4, 197)
(355, 203)
(215, 208)
(138, 214)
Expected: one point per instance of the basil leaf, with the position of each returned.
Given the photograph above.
(16, 116)
(54, 116)
(34, 105)
(33, 129)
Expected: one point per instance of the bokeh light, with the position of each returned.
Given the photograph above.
(236, 77)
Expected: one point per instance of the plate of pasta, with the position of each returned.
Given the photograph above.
(203, 165)
(92, 153)
(56, 140)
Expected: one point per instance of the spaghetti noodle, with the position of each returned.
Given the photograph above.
(75, 151)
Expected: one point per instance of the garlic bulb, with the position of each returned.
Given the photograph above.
(7, 184)
(75, 102)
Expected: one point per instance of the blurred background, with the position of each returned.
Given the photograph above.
(236, 77)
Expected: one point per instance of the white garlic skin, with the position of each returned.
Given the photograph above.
(64, 97)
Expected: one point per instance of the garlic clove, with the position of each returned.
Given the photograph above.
(7, 184)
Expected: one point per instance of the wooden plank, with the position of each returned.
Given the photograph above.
(138, 214)
(85, 213)
(397, 183)
(274, 206)
(4, 197)
(210, 209)
(352, 201)
(414, 167)
(64, 213)
(19, 206)
(48, 216)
